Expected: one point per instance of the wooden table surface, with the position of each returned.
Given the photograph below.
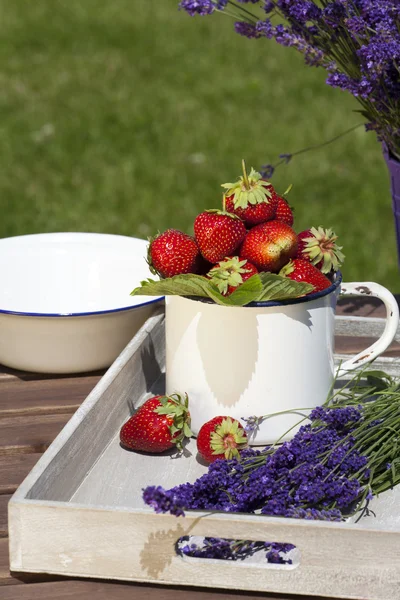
(33, 409)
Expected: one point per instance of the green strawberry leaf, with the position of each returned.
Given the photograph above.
(276, 287)
(260, 287)
(196, 285)
(181, 285)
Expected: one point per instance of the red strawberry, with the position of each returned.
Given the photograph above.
(231, 272)
(222, 437)
(204, 266)
(251, 198)
(269, 246)
(283, 212)
(161, 423)
(302, 270)
(173, 253)
(319, 247)
(218, 234)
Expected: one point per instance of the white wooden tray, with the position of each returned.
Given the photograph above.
(80, 511)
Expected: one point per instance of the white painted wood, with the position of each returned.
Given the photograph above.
(361, 327)
(337, 560)
(80, 511)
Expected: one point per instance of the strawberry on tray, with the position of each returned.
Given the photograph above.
(246, 251)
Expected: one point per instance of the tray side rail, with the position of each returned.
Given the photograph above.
(336, 559)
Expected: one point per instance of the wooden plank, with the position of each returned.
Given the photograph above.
(88, 590)
(29, 435)
(361, 327)
(5, 576)
(3, 515)
(352, 345)
(60, 395)
(13, 470)
(362, 306)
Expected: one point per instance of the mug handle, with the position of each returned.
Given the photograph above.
(392, 320)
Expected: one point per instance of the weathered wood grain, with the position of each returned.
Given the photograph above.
(4, 499)
(13, 470)
(361, 306)
(29, 435)
(97, 590)
(5, 577)
(139, 546)
(353, 345)
(62, 395)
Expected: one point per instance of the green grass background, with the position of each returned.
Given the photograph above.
(126, 116)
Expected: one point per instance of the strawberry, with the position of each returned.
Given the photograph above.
(318, 246)
(161, 423)
(204, 266)
(231, 272)
(172, 253)
(269, 246)
(302, 270)
(252, 198)
(222, 437)
(283, 212)
(218, 234)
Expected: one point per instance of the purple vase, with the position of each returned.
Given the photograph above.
(394, 171)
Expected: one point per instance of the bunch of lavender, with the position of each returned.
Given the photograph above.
(348, 452)
(356, 41)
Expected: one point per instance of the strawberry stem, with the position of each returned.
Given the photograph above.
(245, 177)
(223, 203)
(287, 191)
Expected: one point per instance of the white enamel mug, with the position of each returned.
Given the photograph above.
(264, 358)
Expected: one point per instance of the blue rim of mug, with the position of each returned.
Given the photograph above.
(308, 298)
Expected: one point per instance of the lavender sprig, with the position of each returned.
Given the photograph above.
(331, 466)
(357, 42)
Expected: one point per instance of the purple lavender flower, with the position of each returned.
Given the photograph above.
(267, 171)
(252, 424)
(356, 25)
(234, 550)
(313, 514)
(246, 29)
(359, 88)
(334, 13)
(300, 11)
(357, 42)
(268, 6)
(162, 500)
(336, 417)
(265, 29)
(198, 7)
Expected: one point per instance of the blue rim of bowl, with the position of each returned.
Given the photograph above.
(81, 314)
(307, 298)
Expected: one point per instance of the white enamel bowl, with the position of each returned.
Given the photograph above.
(65, 304)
